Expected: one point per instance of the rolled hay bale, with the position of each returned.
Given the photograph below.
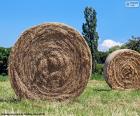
(50, 61)
(122, 69)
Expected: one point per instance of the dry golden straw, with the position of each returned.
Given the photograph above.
(122, 69)
(50, 62)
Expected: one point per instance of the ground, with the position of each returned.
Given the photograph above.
(96, 100)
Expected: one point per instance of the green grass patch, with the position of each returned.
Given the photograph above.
(96, 100)
(97, 76)
(3, 78)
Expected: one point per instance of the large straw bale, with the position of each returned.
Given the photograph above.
(50, 61)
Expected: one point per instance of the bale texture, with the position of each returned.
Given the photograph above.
(50, 61)
(122, 69)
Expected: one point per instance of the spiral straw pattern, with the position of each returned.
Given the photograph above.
(50, 61)
(122, 69)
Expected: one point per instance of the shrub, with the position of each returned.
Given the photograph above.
(99, 69)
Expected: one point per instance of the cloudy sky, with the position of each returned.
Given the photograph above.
(116, 23)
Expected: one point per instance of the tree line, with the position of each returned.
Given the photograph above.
(91, 36)
(4, 54)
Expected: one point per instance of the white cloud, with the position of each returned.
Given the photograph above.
(108, 43)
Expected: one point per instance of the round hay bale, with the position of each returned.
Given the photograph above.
(50, 61)
(122, 69)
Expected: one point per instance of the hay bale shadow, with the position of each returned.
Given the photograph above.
(10, 100)
(100, 90)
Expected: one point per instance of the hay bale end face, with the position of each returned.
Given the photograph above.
(122, 69)
(50, 62)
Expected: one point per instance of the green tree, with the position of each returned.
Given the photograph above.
(4, 54)
(101, 57)
(90, 34)
(133, 43)
(114, 48)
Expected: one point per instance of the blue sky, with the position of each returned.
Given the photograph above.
(116, 22)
